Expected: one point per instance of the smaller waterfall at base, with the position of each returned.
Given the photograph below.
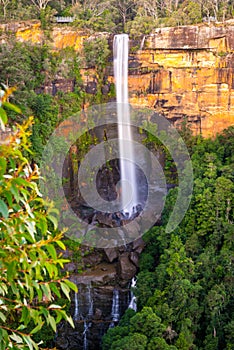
(76, 310)
(86, 327)
(132, 304)
(115, 312)
(90, 302)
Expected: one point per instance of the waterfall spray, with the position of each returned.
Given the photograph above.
(90, 302)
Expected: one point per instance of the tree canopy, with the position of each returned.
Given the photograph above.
(185, 284)
(120, 15)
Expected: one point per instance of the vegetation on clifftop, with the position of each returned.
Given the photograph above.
(134, 17)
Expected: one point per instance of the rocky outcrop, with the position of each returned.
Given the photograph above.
(23, 31)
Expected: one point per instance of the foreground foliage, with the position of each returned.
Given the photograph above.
(30, 279)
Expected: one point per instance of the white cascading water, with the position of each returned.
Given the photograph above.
(115, 314)
(90, 302)
(142, 43)
(128, 189)
(76, 311)
(86, 327)
(132, 304)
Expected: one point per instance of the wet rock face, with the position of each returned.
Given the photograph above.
(94, 317)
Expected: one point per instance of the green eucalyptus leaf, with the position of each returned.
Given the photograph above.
(4, 209)
(12, 107)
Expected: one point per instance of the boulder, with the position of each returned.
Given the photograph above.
(111, 254)
(134, 257)
(138, 245)
(126, 269)
(97, 314)
(132, 230)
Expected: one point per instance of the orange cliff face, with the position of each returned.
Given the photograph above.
(181, 72)
(59, 37)
(187, 72)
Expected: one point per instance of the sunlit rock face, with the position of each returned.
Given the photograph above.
(187, 72)
(181, 72)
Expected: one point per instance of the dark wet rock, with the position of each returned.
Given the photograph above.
(125, 267)
(92, 259)
(68, 338)
(134, 257)
(67, 254)
(63, 343)
(132, 230)
(97, 314)
(105, 89)
(104, 218)
(138, 245)
(100, 275)
(91, 87)
(111, 254)
(70, 267)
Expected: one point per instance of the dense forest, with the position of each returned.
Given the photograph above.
(185, 285)
(185, 282)
(131, 16)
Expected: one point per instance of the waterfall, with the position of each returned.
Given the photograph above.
(132, 304)
(142, 43)
(90, 302)
(86, 327)
(128, 186)
(76, 311)
(115, 314)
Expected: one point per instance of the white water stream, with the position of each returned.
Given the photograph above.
(132, 304)
(128, 185)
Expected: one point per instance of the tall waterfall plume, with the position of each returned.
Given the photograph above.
(128, 185)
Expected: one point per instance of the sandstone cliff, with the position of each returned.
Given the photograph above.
(181, 72)
(187, 71)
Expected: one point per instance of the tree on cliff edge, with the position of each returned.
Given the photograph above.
(41, 4)
(4, 4)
